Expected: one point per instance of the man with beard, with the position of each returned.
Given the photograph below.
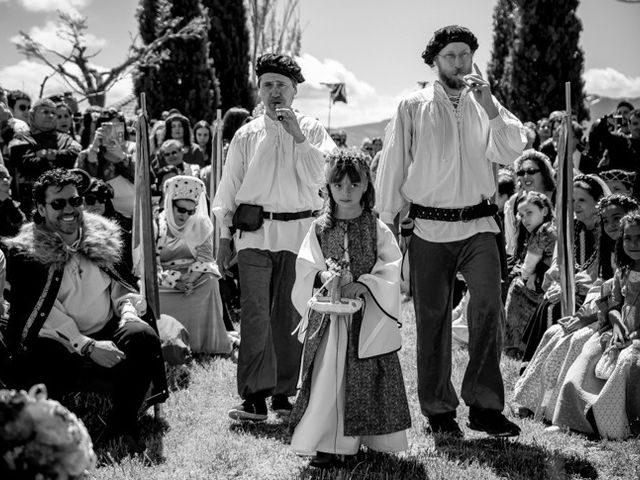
(438, 156)
(75, 318)
(269, 192)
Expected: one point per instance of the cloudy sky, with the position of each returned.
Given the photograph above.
(372, 46)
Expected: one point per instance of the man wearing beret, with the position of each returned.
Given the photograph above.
(438, 157)
(268, 192)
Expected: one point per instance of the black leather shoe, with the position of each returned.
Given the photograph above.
(445, 424)
(325, 460)
(280, 405)
(251, 410)
(492, 422)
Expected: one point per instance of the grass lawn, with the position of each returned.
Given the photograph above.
(202, 443)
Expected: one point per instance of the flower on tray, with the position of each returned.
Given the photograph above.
(337, 265)
(41, 439)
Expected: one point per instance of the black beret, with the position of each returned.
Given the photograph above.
(443, 37)
(279, 63)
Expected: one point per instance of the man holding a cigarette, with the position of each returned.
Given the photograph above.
(269, 193)
(438, 157)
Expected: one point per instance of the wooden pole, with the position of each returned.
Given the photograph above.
(216, 175)
(564, 211)
(144, 242)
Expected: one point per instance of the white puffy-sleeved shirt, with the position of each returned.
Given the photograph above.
(266, 167)
(438, 156)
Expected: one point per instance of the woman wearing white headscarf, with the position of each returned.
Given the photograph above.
(188, 273)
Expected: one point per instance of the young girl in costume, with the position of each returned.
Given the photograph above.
(351, 386)
(601, 393)
(536, 216)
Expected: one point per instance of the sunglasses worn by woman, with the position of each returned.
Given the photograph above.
(92, 199)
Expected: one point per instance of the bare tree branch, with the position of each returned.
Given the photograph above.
(273, 27)
(92, 83)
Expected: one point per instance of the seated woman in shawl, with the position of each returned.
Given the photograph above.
(188, 275)
(536, 391)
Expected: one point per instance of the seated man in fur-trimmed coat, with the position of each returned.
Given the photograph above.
(75, 321)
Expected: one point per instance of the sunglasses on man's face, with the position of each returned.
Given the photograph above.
(528, 171)
(60, 203)
(92, 199)
(22, 107)
(182, 210)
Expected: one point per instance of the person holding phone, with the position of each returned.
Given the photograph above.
(438, 156)
(110, 157)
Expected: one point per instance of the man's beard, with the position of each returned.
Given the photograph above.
(452, 81)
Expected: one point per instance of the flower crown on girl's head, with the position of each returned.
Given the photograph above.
(343, 161)
(625, 202)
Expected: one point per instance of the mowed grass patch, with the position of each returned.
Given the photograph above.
(202, 443)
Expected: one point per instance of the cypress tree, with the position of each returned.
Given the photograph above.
(229, 50)
(182, 76)
(147, 14)
(543, 55)
(503, 30)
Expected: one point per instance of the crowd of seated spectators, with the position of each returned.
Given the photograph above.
(558, 354)
(50, 145)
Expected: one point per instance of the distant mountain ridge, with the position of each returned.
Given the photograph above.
(356, 133)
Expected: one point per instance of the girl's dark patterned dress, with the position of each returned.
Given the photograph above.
(375, 397)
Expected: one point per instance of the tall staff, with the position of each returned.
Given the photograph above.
(143, 243)
(216, 174)
(564, 212)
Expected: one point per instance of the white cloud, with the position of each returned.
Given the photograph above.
(364, 105)
(608, 82)
(53, 5)
(49, 37)
(28, 75)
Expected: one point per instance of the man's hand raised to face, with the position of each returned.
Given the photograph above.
(481, 91)
(287, 117)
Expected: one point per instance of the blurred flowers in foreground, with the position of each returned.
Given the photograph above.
(41, 439)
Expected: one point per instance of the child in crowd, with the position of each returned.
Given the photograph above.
(601, 393)
(536, 216)
(351, 386)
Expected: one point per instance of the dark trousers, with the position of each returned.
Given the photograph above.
(48, 361)
(433, 272)
(269, 356)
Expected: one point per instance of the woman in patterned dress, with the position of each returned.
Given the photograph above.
(593, 400)
(536, 391)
